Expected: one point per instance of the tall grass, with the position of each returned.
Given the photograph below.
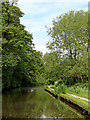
(81, 91)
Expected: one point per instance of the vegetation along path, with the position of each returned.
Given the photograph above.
(74, 95)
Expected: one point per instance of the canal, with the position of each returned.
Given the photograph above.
(34, 103)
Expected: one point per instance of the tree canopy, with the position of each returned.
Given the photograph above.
(19, 57)
(69, 35)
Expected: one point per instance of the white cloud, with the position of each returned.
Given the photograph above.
(36, 29)
(39, 1)
(41, 48)
(34, 1)
(39, 13)
(39, 6)
(33, 26)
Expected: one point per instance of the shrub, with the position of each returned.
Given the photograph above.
(60, 89)
(45, 87)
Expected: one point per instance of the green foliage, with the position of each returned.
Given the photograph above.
(20, 62)
(58, 82)
(69, 32)
(52, 86)
(69, 48)
(40, 79)
(61, 88)
(84, 104)
(80, 89)
(51, 67)
(24, 66)
(45, 87)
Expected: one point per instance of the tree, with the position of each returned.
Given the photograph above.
(69, 33)
(52, 67)
(17, 49)
(70, 42)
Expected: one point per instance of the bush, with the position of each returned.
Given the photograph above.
(80, 89)
(60, 89)
(45, 87)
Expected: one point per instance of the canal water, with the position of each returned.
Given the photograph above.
(34, 103)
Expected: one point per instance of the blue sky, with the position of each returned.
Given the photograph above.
(40, 13)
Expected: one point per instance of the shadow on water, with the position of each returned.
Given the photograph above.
(34, 103)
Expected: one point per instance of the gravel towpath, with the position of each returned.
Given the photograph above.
(79, 97)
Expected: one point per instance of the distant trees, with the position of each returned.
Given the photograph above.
(51, 63)
(69, 35)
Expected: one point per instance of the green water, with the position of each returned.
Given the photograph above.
(34, 103)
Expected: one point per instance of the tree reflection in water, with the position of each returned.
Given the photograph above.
(34, 103)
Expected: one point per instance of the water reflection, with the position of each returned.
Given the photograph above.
(43, 116)
(34, 103)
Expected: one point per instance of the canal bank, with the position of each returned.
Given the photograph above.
(78, 108)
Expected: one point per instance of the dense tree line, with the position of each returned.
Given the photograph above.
(20, 61)
(68, 59)
(22, 65)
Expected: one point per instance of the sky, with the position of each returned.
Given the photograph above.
(40, 13)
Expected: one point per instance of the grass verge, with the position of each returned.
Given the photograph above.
(84, 104)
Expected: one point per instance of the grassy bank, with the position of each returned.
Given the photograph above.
(82, 103)
(77, 89)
